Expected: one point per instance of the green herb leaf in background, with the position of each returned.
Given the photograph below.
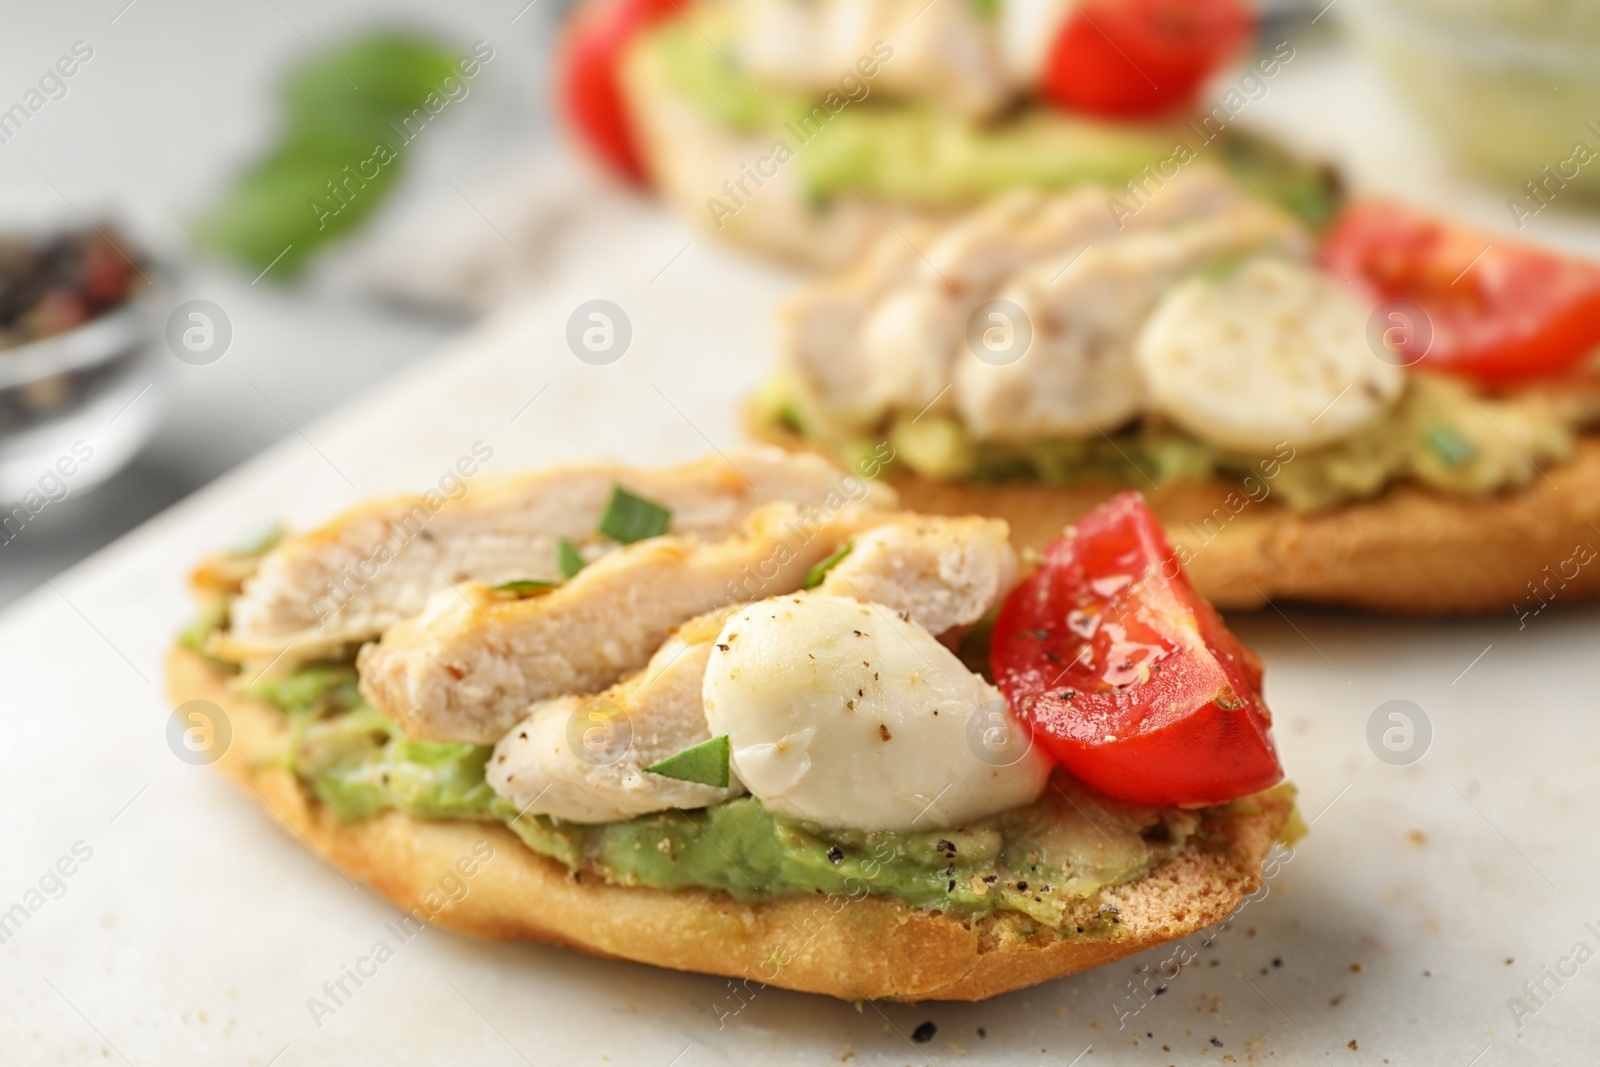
(347, 120)
(1453, 447)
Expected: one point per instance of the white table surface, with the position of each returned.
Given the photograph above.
(195, 933)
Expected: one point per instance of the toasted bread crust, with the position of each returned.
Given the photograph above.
(868, 948)
(1411, 551)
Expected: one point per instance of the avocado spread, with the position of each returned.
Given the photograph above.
(1439, 434)
(1040, 861)
(916, 154)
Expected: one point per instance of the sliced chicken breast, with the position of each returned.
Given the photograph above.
(469, 666)
(377, 564)
(940, 573)
(583, 758)
(887, 337)
(1079, 377)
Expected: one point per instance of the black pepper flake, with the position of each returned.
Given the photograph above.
(990, 879)
(523, 735)
(947, 847)
(1043, 635)
(982, 1032)
(924, 1033)
(1022, 887)
(858, 633)
(836, 854)
(951, 888)
(1215, 1043)
(1277, 961)
(722, 648)
(1161, 990)
(883, 732)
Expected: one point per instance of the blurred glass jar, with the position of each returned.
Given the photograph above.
(1511, 86)
(76, 406)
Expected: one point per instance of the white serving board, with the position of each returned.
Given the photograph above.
(197, 931)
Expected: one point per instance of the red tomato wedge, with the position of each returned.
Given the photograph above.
(1137, 58)
(1496, 311)
(588, 82)
(1126, 675)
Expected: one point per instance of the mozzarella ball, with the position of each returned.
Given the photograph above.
(841, 713)
(1273, 351)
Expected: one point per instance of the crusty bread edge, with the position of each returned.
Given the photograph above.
(857, 949)
(1411, 551)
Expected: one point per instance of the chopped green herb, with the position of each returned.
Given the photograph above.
(1455, 449)
(524, 587)
(630, 518)
(820, 571)
(1219, 269)
(706, 763)
(568, 559)
(258, 545)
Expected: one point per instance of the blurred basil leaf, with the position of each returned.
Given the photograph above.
(345, 124)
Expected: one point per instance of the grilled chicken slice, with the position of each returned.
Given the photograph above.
(469, 666)
(940, 573)
(886, 337)
(1079, 377)
(583, 758)
(316, 594)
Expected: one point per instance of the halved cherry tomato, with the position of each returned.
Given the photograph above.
(587, 78)
(1127, 676)
(1136, 58)
(1497, 311)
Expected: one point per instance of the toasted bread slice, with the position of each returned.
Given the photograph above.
(857, 949)
(1410, 551)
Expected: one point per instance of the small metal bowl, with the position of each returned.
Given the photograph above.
(77, 406)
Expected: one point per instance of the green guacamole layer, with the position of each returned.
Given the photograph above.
(1041, 861)
(916, 154)
(1437, 434)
